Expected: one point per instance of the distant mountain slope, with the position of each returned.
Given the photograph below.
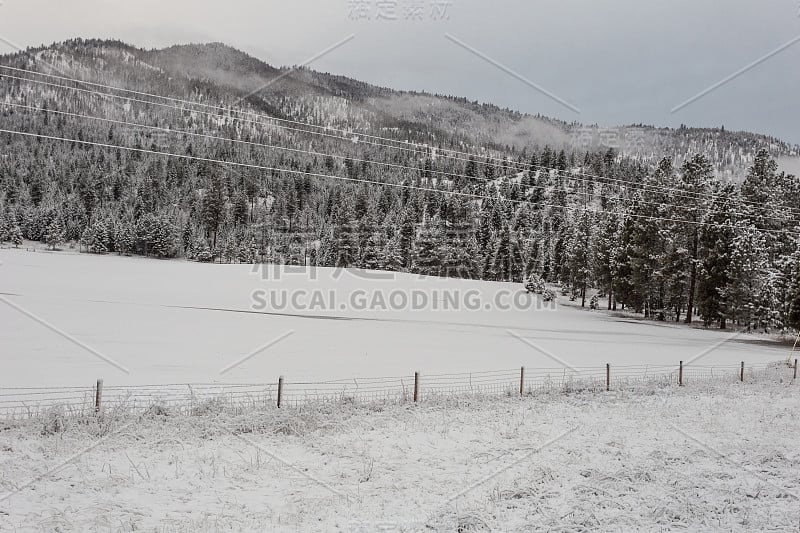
(218, 73)
(193, 173)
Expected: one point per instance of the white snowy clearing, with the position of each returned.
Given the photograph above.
(714, 455)
(717, 457)
(170, 322)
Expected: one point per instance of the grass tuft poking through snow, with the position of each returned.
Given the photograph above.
(713, 455)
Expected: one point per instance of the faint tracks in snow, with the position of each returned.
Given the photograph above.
(63, 334)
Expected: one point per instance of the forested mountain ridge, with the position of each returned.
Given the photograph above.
(655, 222)
(220, 73)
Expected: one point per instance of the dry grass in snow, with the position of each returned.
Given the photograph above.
(720, 456)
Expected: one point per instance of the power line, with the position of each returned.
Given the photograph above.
(357, 180)
(253, 143)
(632, 185)
(586, 194)
(524, 166)
(271, 169)
(208, 106)
(230, 109)
(160, 104)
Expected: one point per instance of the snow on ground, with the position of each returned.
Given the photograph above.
(719, 456)
(179, 322)
(714, 455)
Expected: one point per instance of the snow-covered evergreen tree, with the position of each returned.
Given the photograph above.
(15, 235)
(748, 277)
(125, 238)
(427, 260)
(507, 262)
(390, 256)
(200, 251)
(579, 254)
(372, 256)
(604, 253)
(55, 234)
(716, 249)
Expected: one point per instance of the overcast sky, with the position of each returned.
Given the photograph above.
(615, 61)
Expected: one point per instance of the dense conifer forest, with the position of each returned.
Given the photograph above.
(693, 225)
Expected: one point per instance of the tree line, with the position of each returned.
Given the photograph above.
(670, 243)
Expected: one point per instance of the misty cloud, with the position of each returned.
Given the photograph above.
(620, 62)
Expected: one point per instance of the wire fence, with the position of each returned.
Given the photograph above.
(32, 401)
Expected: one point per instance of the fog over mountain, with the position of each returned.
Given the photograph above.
(618, 62)
(234, 77)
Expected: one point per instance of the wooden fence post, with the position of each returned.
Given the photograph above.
(608, 377)
(416, 387)
(680, 375)
(795, 369)
(280, 391)
(98, 396)
(741, 373)
(521, 381)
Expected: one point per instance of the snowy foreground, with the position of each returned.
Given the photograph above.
(647, 456)
(718, 456)
(142, 321)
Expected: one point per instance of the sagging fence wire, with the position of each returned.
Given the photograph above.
(30, 401)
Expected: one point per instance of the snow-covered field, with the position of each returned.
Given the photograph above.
(178, 322)
(718, 457)
(715, 455)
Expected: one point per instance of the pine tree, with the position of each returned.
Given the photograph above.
(535, 284)
(772, 198)
(213, 206)
(604, 254)
(716, 247)
(579, 258)
(759, 187)
(345, 236)
(747, 277)
(653, 256)
(405, 244)
(392, 258)
(624, 289)
(55, 233)
(163, 239)
(125, 239)
(561, 162)
(696, 174)
(229, 249)
(15, 235)
(187, 237)
(94, 238)
(793, 296)
(240, 209)
(146, 228)
(200, 251)
(458, 252)
(507, 258)
(247, 251)
(489, 171)
(372, 258)
(427, 260)
(469, 258)
(674, 275)
(470, 171)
